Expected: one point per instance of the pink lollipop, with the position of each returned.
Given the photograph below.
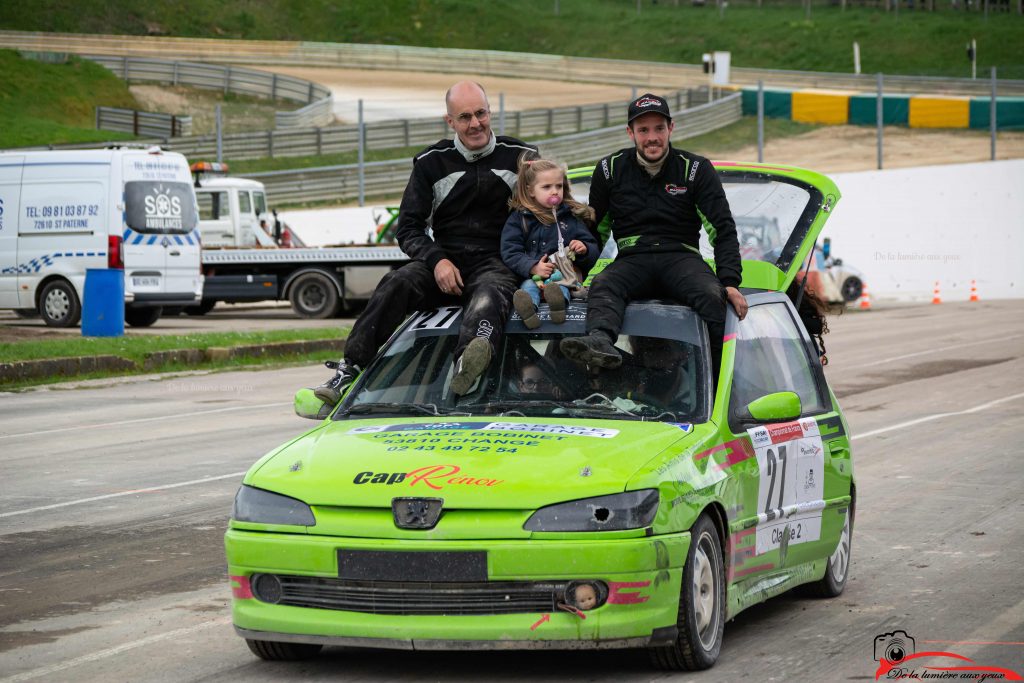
(554, 201)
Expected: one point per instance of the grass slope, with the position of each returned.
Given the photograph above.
(775, 36)
(52, 103)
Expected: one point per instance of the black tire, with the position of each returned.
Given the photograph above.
(201, 309)
(142, 317)
(314, 295)
(26, 313)
(852, 288)
(838, 568)
(282, 652)
(59, 305)
(702, 606)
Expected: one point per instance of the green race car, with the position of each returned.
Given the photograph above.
(554, 507)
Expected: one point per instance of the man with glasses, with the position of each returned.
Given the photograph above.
(449, 224)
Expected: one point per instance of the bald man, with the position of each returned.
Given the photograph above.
(459, 189)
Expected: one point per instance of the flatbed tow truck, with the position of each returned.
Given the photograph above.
(249, 255)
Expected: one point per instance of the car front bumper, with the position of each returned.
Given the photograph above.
(643, 577)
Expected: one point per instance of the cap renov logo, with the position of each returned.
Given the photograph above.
(648, 102)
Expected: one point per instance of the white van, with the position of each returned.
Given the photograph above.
(62, 212)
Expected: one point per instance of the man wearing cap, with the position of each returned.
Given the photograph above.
(655, 196)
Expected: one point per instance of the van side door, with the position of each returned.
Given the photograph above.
(10, 208)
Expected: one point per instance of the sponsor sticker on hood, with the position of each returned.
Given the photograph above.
(566, 430)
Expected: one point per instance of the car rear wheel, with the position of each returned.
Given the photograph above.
(852, 288)
(142, 317)
(838, 568)
(701, 605)
(282, 652)
(59, 305)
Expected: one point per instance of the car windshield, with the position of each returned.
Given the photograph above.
(664, 375)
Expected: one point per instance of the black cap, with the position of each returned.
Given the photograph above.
(647, 103)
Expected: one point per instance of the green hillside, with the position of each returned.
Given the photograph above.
(51, 103)
(774, 36)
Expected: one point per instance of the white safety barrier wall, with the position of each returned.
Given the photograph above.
(907, 229)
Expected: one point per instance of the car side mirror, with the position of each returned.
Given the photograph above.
(307, 405)
(782, 405)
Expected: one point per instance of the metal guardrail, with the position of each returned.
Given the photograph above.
(484, 62)
(233, 79)
(142, 122)
(292, 142)
(382, 178)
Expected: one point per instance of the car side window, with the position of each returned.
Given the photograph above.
(244, 203)
(771, 356)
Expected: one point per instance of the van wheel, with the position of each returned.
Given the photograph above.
(142, 317)
(701, 605)
(59, 305)
(201, 309)
(314, 295)
(282, 652)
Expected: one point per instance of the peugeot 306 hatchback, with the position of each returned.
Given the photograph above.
(557, 507)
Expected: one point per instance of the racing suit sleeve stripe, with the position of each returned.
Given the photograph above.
(413, 214)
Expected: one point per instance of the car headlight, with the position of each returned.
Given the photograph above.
(629, 510)
(264, 507)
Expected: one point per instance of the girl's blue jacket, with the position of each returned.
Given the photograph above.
(520, 249)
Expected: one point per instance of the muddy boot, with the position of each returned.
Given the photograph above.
(594, 349)
(523, 304)
(556, 302)
(473, 361)
(330, 391)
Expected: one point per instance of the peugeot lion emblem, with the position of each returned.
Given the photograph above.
(416, 513)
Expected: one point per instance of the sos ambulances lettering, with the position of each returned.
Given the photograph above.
(790, 461)
(163, 207)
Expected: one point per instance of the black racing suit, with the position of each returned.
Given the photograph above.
(656, 223)
(465, 204)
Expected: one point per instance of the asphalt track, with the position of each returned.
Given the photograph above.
(113, 501)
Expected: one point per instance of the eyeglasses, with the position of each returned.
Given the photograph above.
(534, 383)
(465, 118)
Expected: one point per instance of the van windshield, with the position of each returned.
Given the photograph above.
(160, 207)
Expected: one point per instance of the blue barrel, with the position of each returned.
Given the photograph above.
(103, 307)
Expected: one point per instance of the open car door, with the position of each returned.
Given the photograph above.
(779, 213)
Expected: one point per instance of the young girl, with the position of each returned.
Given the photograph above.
(531, 237)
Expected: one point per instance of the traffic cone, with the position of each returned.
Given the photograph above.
(936, 297)
(865, 298)
(974, 291)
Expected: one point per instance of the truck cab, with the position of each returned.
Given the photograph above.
(232, 211)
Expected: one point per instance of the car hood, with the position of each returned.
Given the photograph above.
(472, 463)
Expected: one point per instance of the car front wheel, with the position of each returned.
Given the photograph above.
(282, 652)
(852, 288)
(701, 605)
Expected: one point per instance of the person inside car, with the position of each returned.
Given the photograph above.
(449, 224)
(657, 198)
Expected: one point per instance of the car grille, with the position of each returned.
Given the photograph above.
(391, 597)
